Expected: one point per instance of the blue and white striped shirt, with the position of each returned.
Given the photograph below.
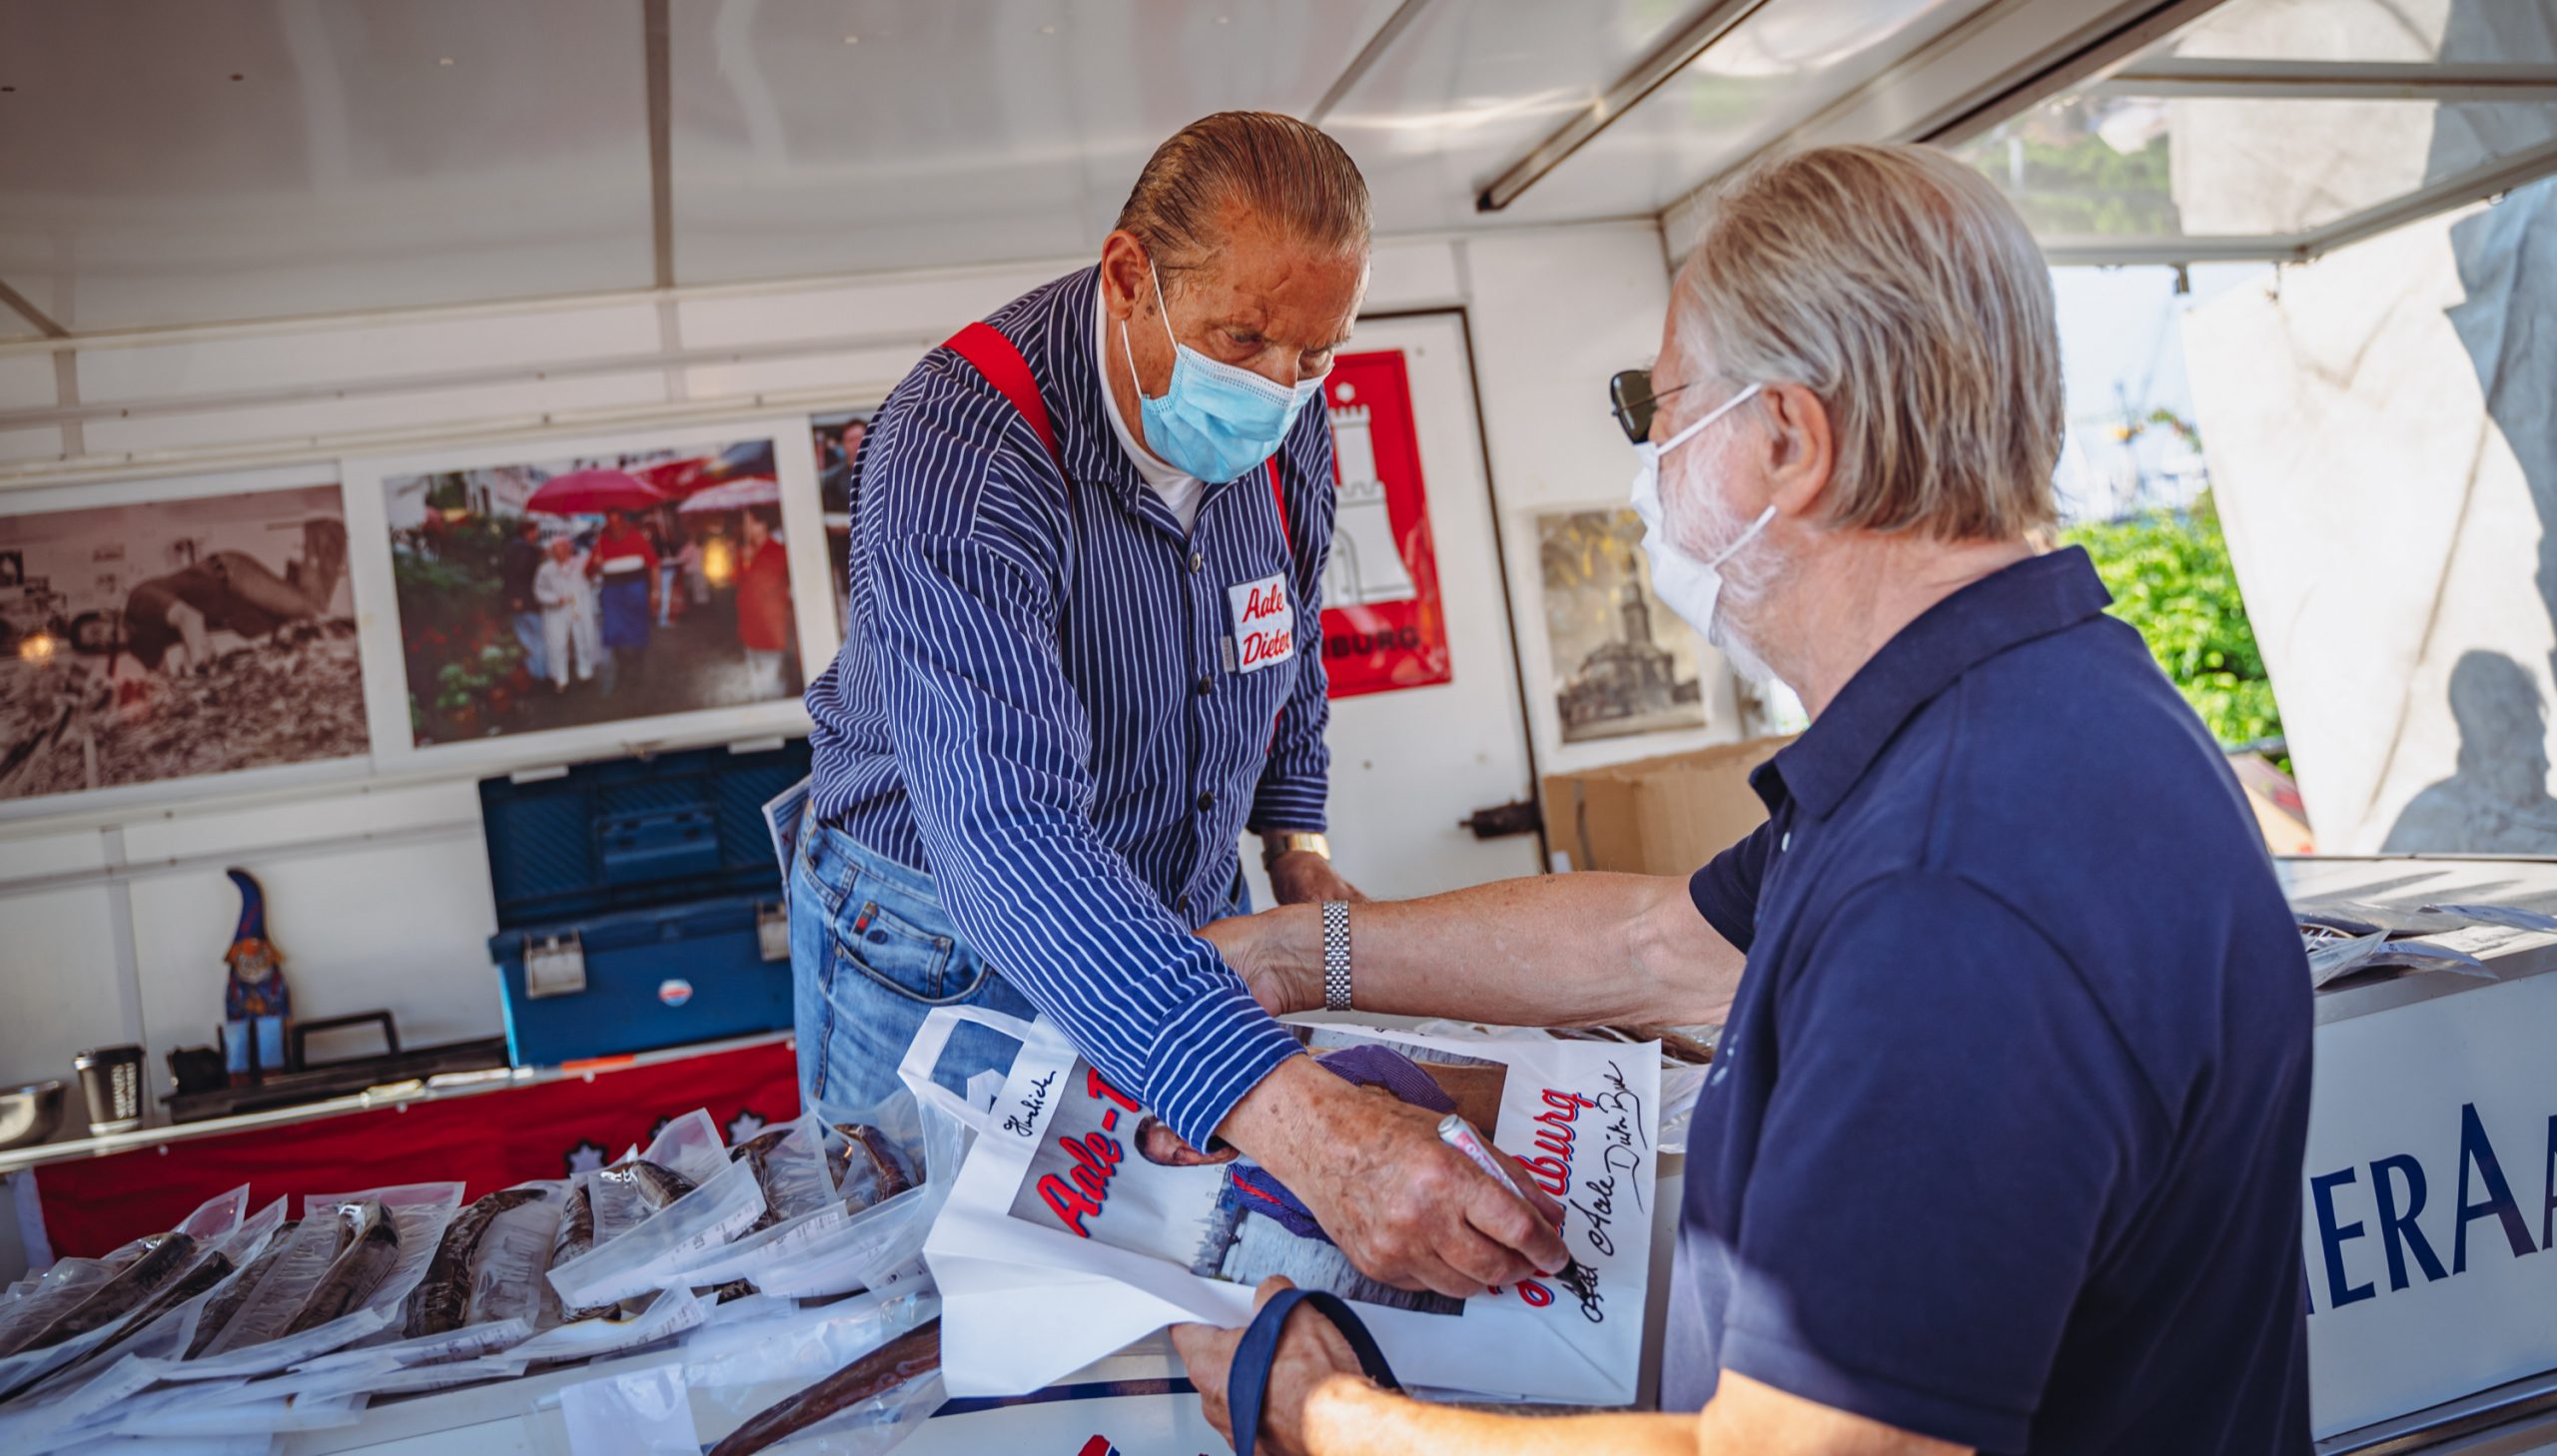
(1036, 703)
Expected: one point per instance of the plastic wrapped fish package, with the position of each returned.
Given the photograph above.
(668, 1313)
(472, 1261)
(273, 1415)
(847, 1378)
(478, 1294)
(654, 1213)
(67, 1330)
(84, 1397)
(801, 1203)
(866, 1372)
(512, 1255)
(238, 1328)
(346, 1272)
(894, 1168)
(685, 1154)
(30, 1304)
(172, 1315)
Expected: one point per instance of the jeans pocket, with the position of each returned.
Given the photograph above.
(900, 956)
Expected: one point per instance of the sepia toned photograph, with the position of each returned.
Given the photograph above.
(174, 639)
(1622, 663)
(566, 592)
(1218, 1214)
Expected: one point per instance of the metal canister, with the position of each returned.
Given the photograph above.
(111, 1081)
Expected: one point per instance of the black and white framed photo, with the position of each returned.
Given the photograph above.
(177, 629)
(1622, 663)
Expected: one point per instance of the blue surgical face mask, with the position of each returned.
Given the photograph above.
(1218, 421)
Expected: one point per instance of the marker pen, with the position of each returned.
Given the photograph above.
(1459, 1135)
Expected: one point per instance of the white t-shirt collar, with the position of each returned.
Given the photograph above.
(1179, 489)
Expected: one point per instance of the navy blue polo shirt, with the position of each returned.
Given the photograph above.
(2003, 1143)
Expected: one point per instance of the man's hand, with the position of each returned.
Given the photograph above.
(1403, 1207)
(1274, 952)
(1312, 1351)
(1301, 877)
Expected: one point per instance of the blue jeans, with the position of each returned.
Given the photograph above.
(871, 954)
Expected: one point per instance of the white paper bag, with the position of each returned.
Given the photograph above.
(1073, 1231)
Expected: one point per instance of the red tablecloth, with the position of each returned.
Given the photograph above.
(487, 1140)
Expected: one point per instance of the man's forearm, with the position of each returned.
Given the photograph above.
(1553, 951)
(1350, 1417)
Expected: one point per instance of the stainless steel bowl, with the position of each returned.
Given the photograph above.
(29, 1113)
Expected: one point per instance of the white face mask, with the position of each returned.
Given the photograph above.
(1684, 584)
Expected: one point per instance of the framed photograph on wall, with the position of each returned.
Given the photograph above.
(837, 437)
(579, 589)
(1622, 663)
(161, 630)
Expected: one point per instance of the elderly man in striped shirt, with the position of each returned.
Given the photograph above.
(1083, 656)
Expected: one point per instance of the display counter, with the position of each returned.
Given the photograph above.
(2427, 1194)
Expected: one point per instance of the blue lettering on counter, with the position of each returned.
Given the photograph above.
(2400, 1191)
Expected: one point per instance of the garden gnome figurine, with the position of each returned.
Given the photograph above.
(256, 1004)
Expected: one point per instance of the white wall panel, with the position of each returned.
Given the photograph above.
(57, 953)
(863, 378)
(328, 355)
(1414, 274)
(245, 831)
(26, 380)
(37, 856)
(507, 405)
(44, 442)
(929, 307)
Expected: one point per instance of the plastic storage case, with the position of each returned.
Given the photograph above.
(639, 902)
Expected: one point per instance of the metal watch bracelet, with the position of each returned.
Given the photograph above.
(1336, 955)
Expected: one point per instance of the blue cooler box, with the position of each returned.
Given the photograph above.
(639, 902)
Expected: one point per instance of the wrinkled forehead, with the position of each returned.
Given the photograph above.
(1286, 291)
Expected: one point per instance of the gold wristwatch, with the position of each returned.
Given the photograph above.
(1289, 841)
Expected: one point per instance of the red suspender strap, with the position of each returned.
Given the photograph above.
(999, 360)
(1279, 493)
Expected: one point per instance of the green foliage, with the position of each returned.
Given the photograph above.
(2171, 578)
(463, 658)
(2074, 184)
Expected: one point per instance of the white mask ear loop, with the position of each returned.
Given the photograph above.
(1162, 312)
(1717, 413)
(1127, 351)
(1743, 539)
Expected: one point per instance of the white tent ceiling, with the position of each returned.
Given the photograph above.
(171, 163)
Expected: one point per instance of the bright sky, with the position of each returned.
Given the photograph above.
(2120, 327)
(2122, 347)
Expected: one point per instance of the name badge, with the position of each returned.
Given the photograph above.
(1265, 629)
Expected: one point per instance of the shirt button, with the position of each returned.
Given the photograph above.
(1198, 562)
(1207, 801)
(1785, 841)
(1207, 685)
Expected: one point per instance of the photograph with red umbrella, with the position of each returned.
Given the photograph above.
(560, 593)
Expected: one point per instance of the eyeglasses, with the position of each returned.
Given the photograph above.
(1630, 396)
